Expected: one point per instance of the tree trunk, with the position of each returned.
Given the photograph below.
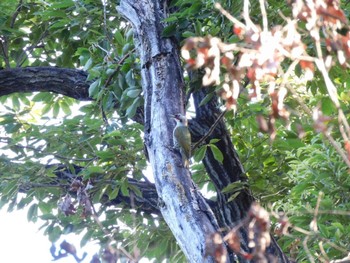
(188, 215)
(183, 208)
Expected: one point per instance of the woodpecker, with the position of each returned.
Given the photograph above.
(182, 138)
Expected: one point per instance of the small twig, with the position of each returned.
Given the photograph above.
(121, 61)
(274, 194)
(16, 13)
(229, 16)
(307, 251)
(317, 207)
(343, 260)
(313, 224)
(29, 50)
(337, 148)
(246, 16)
(212, 128)
(107, 233)
(58, 156)
(264, 15)
(323, 252)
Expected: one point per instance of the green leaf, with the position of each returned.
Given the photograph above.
(169, 30)
(234, 187)
(32, 213)
(15, 102)
(131, 111)
(54, 234)
(48, 217)
(187, 34)
(88, 64)
(65, 107)
(116, 133)
(217, 153)
(62, 4)
(129, 78)
(200, 153)
(114, 193)
(206, 99)
(105, 155)
(124, 187)
(327, 106)
(45, 208)
(212, 141)
(55, 109)
(95, 170)
(10, 189)
(233, 196)
(94, 88)
(126, 48)
(136, 190)
(119, 38)
(86, 238)
(42, 96)
(133, 93)
(46, 109)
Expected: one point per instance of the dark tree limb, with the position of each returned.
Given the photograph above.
(68, 82)
(228, 214)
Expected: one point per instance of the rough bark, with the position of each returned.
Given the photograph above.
(69, 82)
(185, 211)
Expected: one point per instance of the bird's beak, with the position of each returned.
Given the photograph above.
(172, 116)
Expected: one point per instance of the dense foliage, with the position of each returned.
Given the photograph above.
(78, 164)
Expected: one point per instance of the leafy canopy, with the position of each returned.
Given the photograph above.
(81, 157)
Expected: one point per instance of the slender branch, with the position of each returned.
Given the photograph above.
(307, 250)
(4, 39)
(343, 260)
(264, 15)
(210, 131)
(15, 14)
(229, 16)
(246, 16)
(323, 252)
(58, 156)
(29, 50)
(3, 47)
(107, 233)
(337, 148)
(120, 62)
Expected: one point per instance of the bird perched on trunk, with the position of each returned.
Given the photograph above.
(182, 138)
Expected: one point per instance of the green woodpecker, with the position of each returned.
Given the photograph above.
(182, 138)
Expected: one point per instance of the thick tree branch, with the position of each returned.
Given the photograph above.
(68, 82)
(146, 202)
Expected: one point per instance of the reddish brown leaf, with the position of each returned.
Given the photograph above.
(301, 131)
(263, 126)
(216, 248)
(347, 148)
(238, 30)
(66, 206)
(307, 65)
(233, 241)
(191, 62)
(69, 248)
(332, 14)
